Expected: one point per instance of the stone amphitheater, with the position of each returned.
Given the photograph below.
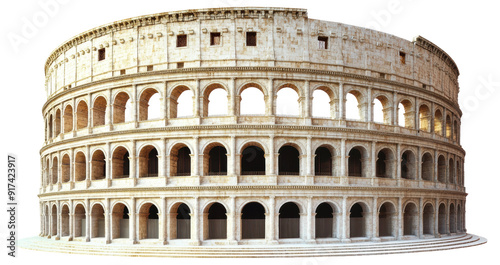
(143, 158)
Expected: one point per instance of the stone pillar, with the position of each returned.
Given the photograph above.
(134, 102)
(109, 159)
(88, 219)
(195, 163)
(341, 115)
(132, 218)
(421, 218)
(163, 221)
(196, 232)
(310, 225)
(133, 162)
(107, 221)
(271, 164)
(272, 222)
(196, 101)
(231, 222)
(109, 109)
(398, 164)
(345, 235)
(88, 166)
(309, 157)
(400, 223)
(70, 221)
(270, 98)
(375, 223)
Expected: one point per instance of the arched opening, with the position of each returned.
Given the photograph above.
(460, 224)
(181, 102)
(82, 118)
(149, 105)
(428, 221)
(442, 220)
(217, 161)
(183, 222)
(55, 170)
(121, 163)
(57, 123)
(217, 222)
(321, 107)
(387, 220)
(453, 219)
(148, 222)
(354, 109)
(65, 221)
(65, 168)
(180, 161)
(120, 221)
(408, 165)
(448, 127)
(455, 130)
(99, 112)
(47, 231)
(46, 177)
(324, 221)
(50, 127)
(406, 114)
(97, 225)
(323, 162)
(80, 167)
(253, 161)
(252, 101)
(441, 169)
(385, 164)
(287, 102)
(289, 221)
(98, 165)
(410, 219)
(121, 109)
(451, 165)
(424, 118)
(358, 221)
(253, 221)
(381, 110)
(217, 102)
(53, 230)
(438, 122)
(289, 162)
(355, 162)
(80, 221)
(427, 167)
(148, 162)
(68, 119)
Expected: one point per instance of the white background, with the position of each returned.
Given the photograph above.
(466, 30)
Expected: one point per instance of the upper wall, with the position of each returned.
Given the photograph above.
(286, 37)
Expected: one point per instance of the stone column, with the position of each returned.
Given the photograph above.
(341, 115)
(310, 225)
(196, 232)
(375, 223)
(400, 223)
(345, 234)
(71, 222)
(398, 164)
(270, 98)
(87, 220)
(132, 218)
(421, 218)
(231, 222)
(272, 224)
(107, 221)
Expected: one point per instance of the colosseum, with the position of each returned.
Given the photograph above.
(141, 151)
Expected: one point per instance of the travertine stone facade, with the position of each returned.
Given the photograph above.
(249, 179)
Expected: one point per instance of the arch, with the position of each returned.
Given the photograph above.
(98, 170)
(354, 107)
(120, 221)
(215, 159)
(253, 161)
(382, 110)
(65, 168)
(408, 165)
(438, 122)
(120, 163)
(289, 220)
(181, 102)
(406, 114)
(441, 169)
(324, 221)
(253, 221)
(57, 123)
(148, 221)
(358, 220)
(219, 102)
(455, 130)
(149, 104)
(424, 116)
(453, 219)
(442, 229)
(65, 220)
(356, 162)
(410, 220)
(148, 162)
(384, 167)
(82, 115)
(321, 104)
(55, 170)
(68, 119)
(428, 219)
(448, 127)
(387, 220)
(427, 167)
(182, 222)
(288, 160)
(50, 127)
(252, 100)
(122, 108)
(287, 101)
(97, 224)
(217, 221)
(451, 171)
(80, 220)
(323, 164)
(180, 160)
(53, 216)
(99, 111)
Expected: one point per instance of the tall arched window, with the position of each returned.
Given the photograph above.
(406, 114)
(353, 109)
(149, 105)
(217, 102)
(252, 102)
(289, 162)
(438, 123)
(287, 102)
(323, 162)
(217, 161)
(68, 119)
(253, 161)
(425, 118)
(321, 104)
(121, 108)
(253, 221)
(99, 112)
(289, 221)
(82, 112)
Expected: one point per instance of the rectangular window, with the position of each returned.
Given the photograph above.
(251, 38)
(323, 42)
(180, 65)
(214, 38)
(149, 68)
(101, 54)
(123, 71)
(402, 57)
(182, 40)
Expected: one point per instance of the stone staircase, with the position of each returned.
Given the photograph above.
(252, 251)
